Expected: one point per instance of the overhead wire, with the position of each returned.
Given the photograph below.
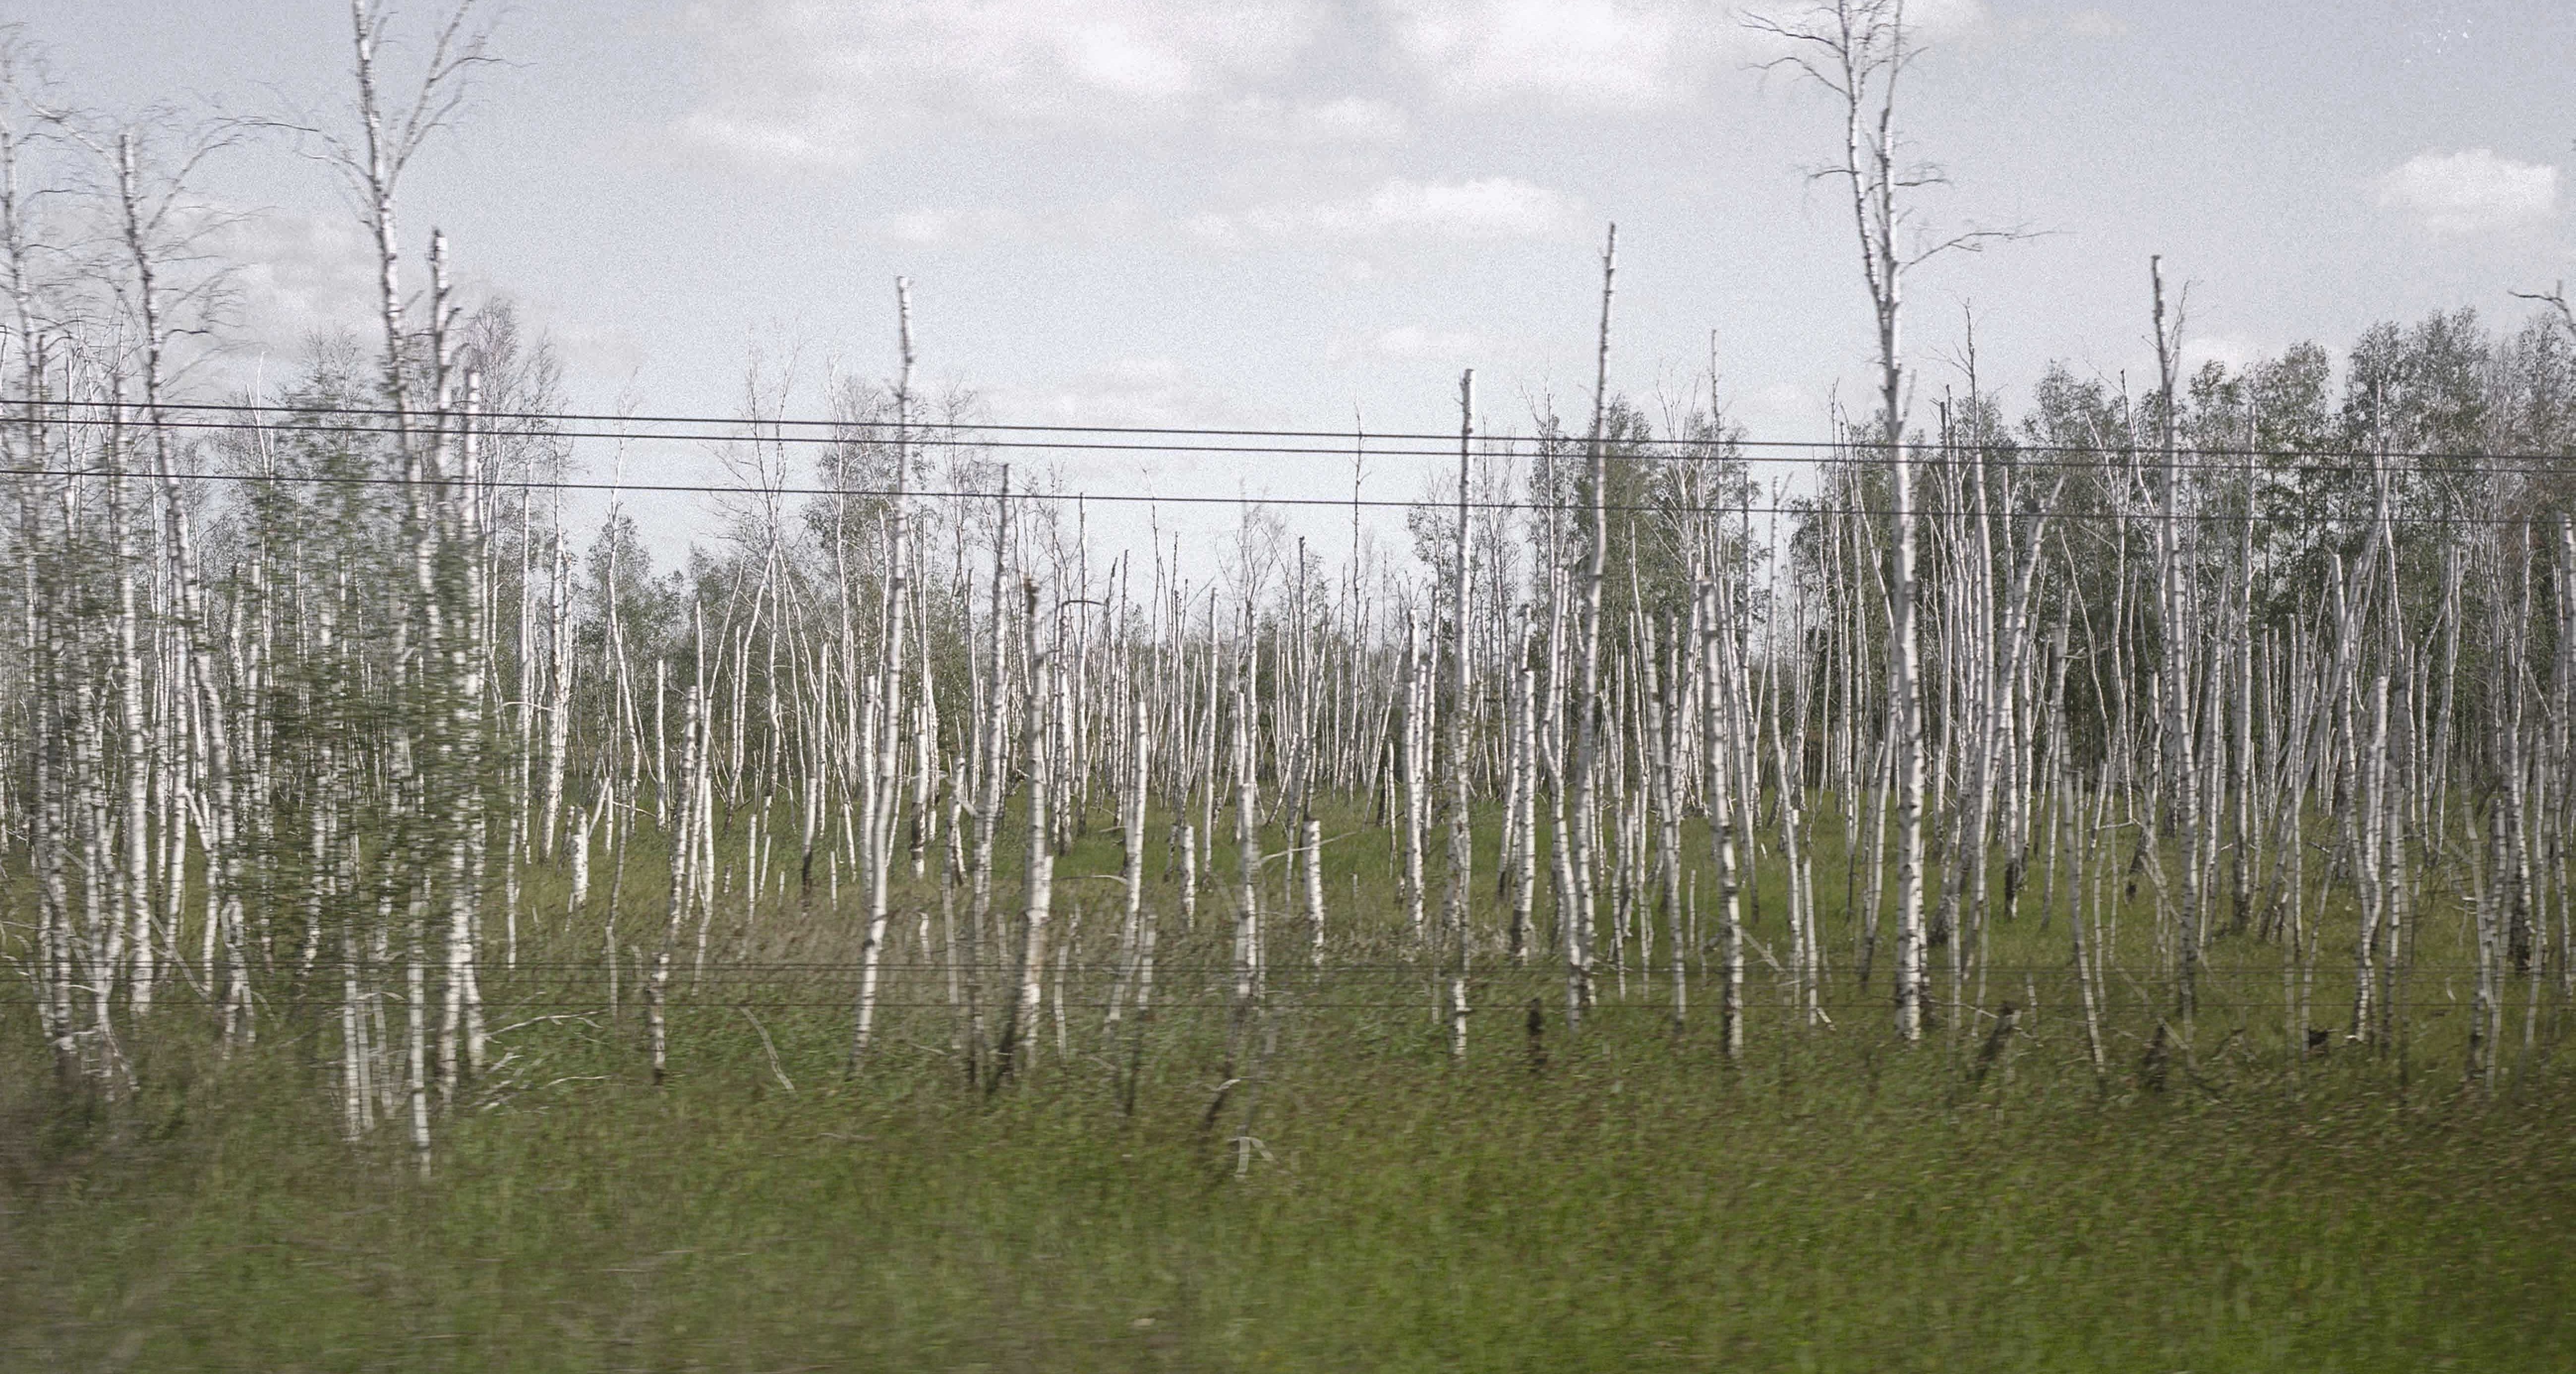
(1793, 508)
(1849, 450)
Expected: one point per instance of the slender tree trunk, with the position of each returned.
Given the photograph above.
(1454, 910)
(1587, 702)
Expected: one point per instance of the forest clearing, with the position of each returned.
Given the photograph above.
(2065, 885)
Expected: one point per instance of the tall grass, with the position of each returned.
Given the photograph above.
(1622, 1198)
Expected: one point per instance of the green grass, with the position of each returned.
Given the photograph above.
(1836, 1202)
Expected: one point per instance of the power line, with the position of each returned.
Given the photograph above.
(1150, 499)
(2006, 451)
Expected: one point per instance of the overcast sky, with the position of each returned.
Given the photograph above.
(1280, 212)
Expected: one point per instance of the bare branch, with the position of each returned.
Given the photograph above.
(2556, 299)
(1975, 241)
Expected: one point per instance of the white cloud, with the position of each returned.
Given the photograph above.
(927, 225)
(1777, 408)
(1114, 216)
(1486, 208)
(1346, 120)
(1597, 53)
(1974, 20)
(762, 139)
(1414, 341)
(297, 275)
(1407, 341)
(1935, 18)
(1114, 57)
(801, 82)
(1352, 118)
(1158, 391)
(2469, 191)
(2094, 24)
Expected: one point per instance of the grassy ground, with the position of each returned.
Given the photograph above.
(1836, 1202)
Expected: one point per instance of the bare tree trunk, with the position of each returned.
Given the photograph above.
(558, 685)
(1247, 839)
(1722, 748)
(685, 826)
(1038, 893)
(1131, 873)
(883, 739)
(2182, 797)
(1415, 745)
(1663, 661)
(1525, 819)
(1587, 703)
(991, 763)
(1310, 844)
(134, 839)
(1454, 936)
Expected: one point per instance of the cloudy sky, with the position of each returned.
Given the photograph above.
(1286, 212)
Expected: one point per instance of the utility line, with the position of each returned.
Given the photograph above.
(1149, 499)
(2004, 451)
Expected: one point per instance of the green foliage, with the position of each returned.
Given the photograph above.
(1664, 491)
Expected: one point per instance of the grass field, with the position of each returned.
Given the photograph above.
(1837, 1201)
